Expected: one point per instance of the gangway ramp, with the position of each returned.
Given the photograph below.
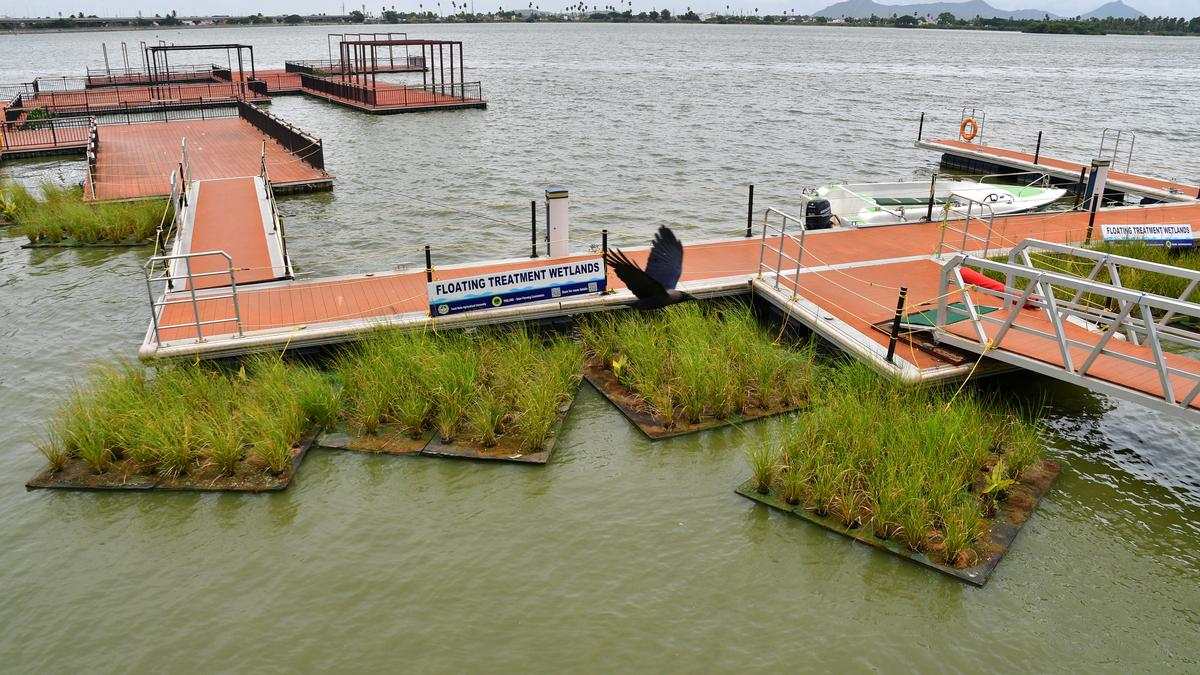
(237, 216)
(1091, 331)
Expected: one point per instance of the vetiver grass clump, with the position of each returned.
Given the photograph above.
(911, 464)
(485, 387)
(693, 361)
(60, 214)
(190, 419)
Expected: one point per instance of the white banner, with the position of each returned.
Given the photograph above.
(1180, 233)
(514, 287)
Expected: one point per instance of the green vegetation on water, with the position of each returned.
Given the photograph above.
(913, 464)
(190, 418)
(693, 361)
(481, 387)
(61, 216)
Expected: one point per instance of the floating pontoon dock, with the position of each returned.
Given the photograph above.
(840, 283)
(135, 161)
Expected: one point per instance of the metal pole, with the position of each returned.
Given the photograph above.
(1037, 154)
(428, 266)
(1079, 188)
(750, 213)
(1096, 199)
(533, 228)
(932, 196)
(896, 324)
(921, 127)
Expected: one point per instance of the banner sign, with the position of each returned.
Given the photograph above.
(515, 287)
(1179, 234)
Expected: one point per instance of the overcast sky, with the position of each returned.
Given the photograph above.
(1188, 8)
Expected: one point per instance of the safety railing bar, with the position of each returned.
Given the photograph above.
(1163, 303)
(1191, 288)
(193, 325)
(1105, 337)
(1187, 401)
(1156, 350)
(1123, 261)
(1015, 311)
(200, 298)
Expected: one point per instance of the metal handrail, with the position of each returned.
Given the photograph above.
(1112, 148)
(1020, 254)
(276, 217)
(193, 298)
(980, 117)
(783, 237)
(1042, 290)
(984, 213)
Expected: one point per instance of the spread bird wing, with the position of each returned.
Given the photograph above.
(666, 258)
(636, 280)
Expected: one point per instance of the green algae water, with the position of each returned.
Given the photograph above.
(621, 554)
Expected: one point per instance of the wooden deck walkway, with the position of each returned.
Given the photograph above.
(120, 99)
(1024, 161)
(135, 161)
(231, 215)
(851, 275)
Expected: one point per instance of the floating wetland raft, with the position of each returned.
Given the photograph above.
(693, 367)
(497, 394)
(60, 218)
(936, 476)
(187, 427)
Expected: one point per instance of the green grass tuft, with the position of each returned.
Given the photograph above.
(61, 214)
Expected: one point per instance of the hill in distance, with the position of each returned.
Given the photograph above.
(1116, 9)
(862, 9)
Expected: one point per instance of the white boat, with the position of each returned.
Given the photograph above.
(869, 204)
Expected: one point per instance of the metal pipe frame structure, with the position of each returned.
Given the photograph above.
(360, 60)
(357, 37)
(154, 54)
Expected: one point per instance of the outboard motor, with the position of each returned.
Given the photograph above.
(818, 215)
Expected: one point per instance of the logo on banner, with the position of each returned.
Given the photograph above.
(515, 287)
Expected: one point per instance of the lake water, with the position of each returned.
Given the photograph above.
(620, 554)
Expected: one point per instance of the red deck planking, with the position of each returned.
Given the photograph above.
(1071, 167)
(228, 219)
(135, 161)
(860, 296)
(120, 98)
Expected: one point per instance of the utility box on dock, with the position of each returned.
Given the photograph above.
(558, 223)
(1096, 182)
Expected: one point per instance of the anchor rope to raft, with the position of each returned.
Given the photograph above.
(986, 348)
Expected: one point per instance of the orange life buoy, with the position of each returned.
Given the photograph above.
(971, 124)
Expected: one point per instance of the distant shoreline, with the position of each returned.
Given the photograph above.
(1024, 26)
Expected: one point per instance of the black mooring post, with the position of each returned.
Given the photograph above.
(604, 251)
(1037, 154)
(1096, 199)
(921, 127)
(896, 323)
(533, 228)
(932, 195)
(428, 266)
(1079, 188)
(750, 214)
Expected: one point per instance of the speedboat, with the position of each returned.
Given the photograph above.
(870, 204)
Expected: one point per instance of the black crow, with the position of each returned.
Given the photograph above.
(654, 286)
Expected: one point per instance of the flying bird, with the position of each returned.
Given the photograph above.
(654, 286)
